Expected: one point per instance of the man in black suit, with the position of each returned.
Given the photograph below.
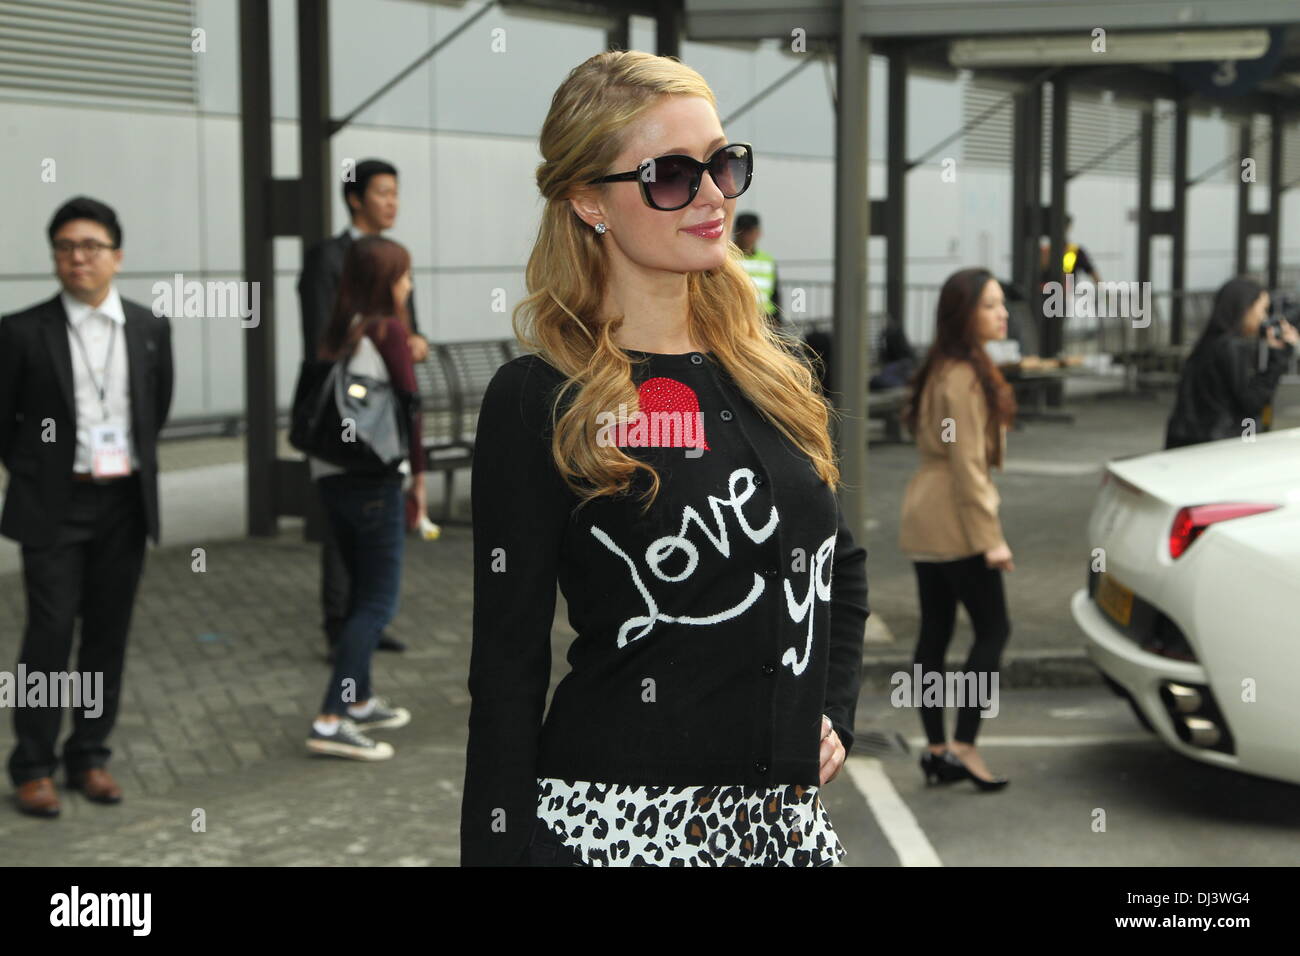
(372, 200)
(85, 386)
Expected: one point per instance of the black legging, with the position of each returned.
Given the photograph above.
(940, 585)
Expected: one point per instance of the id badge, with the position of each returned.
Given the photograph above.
(109, 456)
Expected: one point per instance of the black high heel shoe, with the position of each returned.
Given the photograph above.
(997, 783)
(942, 768)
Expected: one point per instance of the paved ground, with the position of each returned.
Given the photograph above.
(225, 671)
(1069, 753)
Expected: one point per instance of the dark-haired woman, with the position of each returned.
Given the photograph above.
(1226, 381)
(664, 456)
(959, 409)
(366, 508)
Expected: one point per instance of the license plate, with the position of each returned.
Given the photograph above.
(1115, 599)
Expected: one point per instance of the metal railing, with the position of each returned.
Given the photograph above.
(1107, 343)
(1107, 338)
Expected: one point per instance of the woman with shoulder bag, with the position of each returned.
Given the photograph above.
(364, 504)
(959, 409)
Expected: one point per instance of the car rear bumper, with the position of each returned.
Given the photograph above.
(1141, 675)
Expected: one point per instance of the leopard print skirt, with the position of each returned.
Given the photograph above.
(600, 824)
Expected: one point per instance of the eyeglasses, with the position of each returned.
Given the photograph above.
(671, 182)
(91, 247)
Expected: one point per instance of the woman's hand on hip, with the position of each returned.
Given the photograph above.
(832, 752)
(999, 557)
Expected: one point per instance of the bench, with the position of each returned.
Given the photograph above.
(886, 405)
(452, 381)
(883, 405)
(1032, 389)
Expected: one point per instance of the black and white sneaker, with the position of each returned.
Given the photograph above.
(348, 741)
(382, 717)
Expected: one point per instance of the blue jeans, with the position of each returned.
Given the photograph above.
(368, 517)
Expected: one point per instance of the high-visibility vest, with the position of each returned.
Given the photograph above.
(1071, 256)
(762, 272)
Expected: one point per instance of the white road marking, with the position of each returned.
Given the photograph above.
(1069, 740)
(1053, 469)
(900, 827)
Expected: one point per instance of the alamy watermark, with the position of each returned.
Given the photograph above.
(84, 692)
(946, 689)
(655, 429)
(75, 908)
(208, 300)
(1102, 300)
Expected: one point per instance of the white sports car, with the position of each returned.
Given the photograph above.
(1192, 609)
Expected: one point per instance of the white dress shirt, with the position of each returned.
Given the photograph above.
(97, 328)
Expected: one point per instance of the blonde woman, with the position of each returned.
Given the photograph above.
(959, 409)
(664, 456)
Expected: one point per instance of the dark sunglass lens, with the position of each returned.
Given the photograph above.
(669, 182)
(730, 171)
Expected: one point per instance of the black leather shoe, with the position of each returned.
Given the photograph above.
(389, 643)
(942, 768)
(997, 783)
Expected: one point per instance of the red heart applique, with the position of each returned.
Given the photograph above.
(661, 394)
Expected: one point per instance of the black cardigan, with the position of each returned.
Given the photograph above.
(696, 662)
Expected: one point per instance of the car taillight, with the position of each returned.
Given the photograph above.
(1190, 522)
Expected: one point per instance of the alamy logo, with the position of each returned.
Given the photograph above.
(669, 417)
(946, 689)
(84, 692)
(208, 300)
(102, 909)
(1099, 300)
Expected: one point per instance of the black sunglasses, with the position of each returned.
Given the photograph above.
(671, 182)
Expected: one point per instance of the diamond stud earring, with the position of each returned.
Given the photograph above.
(601, 228)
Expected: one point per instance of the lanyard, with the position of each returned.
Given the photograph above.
(100, 387)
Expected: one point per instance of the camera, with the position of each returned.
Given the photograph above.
(1282, 306)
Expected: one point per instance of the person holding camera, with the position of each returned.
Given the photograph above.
(364, 507)
(1234, 368)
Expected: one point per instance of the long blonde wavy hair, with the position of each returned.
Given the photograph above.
(559, 319)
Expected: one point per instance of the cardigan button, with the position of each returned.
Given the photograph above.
(725, 415)
(769, 669)
(697, 359)
(760, 768)
(758, 480)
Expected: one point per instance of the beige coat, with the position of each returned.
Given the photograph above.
(950, 507)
